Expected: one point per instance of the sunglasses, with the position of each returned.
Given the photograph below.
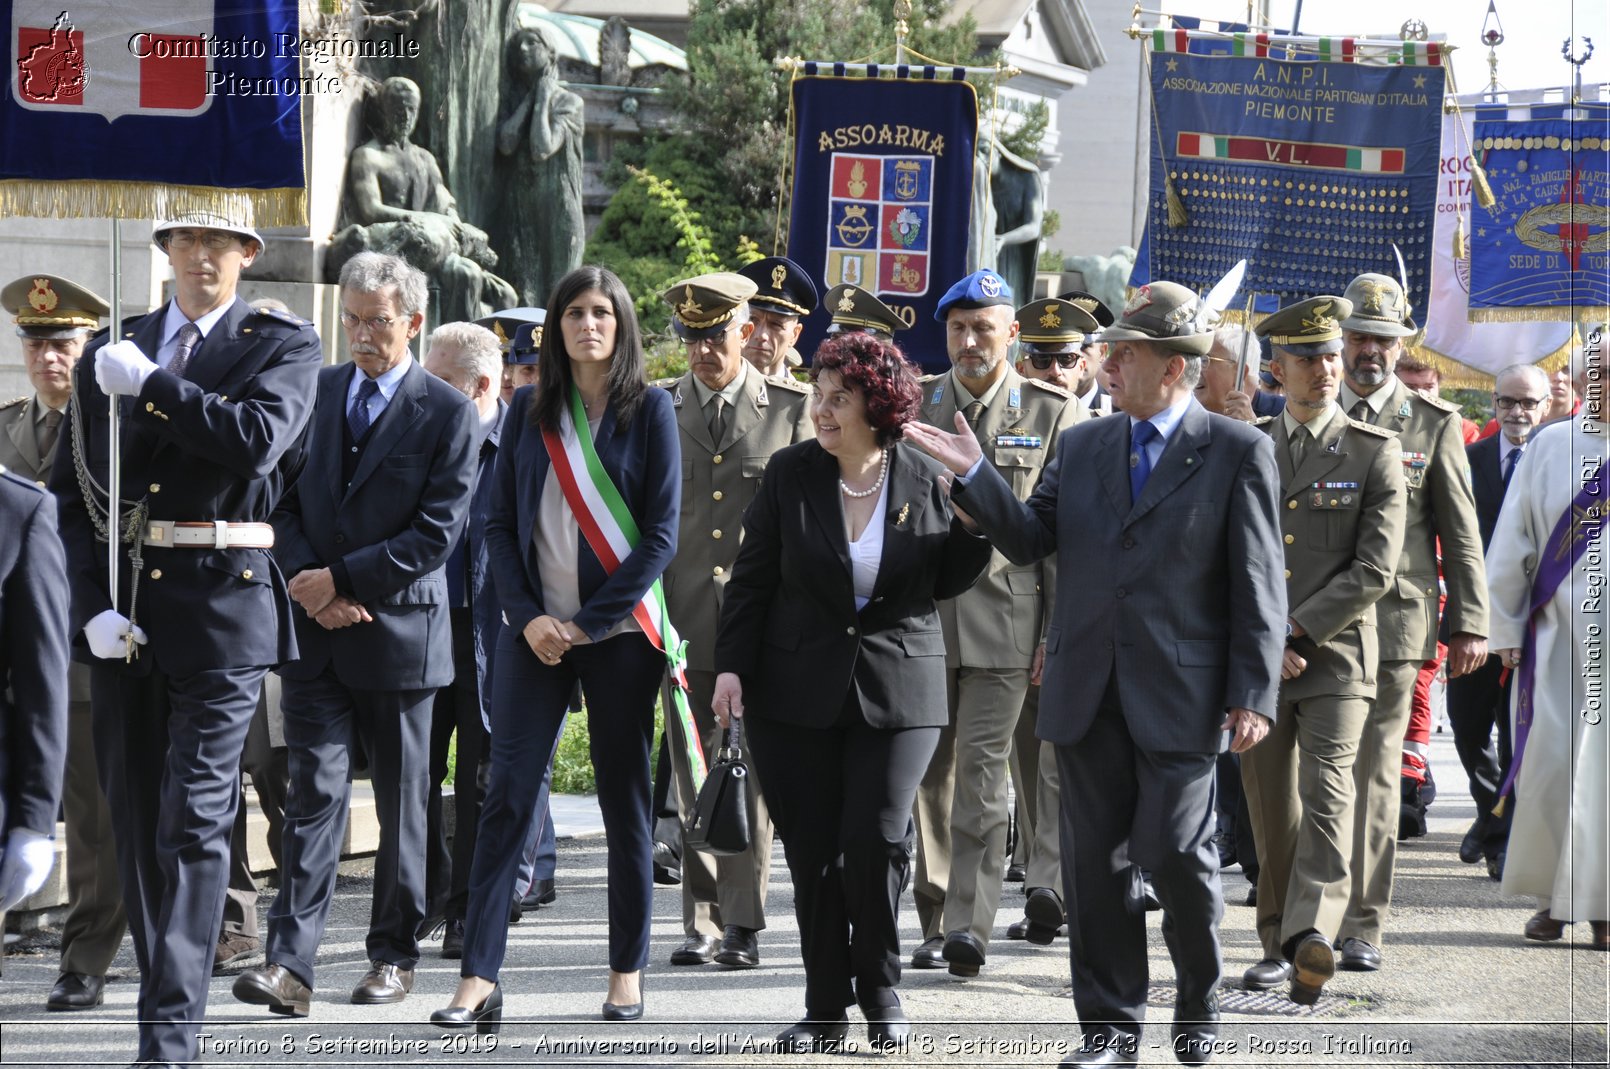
(1064, 361)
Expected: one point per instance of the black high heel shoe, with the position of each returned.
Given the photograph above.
(485, 1019)
(887, 1026)
(631, 1011)
(813, 1037)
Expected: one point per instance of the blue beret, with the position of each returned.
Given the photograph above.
(981, 289)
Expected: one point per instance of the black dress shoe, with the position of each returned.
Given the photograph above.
(931, 955)
(667, 865)
(1148, 895)
(1045, 915)
(1194, 1031)
(1018, 929)
(383, 984)
(1495, 865)
(76, 991)
(1359, 956)
(886, 1027)
(1105, 1048)
(1016, 874)
(516, 910)
(740, 948)
(626, 1011)
(485, 1019)
(276, 987)
(1313, 963)
(453, 940)
(542, 893)
(964, 953)
(698, 950)
(1252, 895)
(1266, 975)
(812, 1037)
(1470, 847)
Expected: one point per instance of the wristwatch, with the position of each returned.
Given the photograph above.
(1289, 635)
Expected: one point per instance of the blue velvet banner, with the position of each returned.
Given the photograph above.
(108, 100)
(1542, 251)
(883, 183)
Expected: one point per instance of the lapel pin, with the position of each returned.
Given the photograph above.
(900, 520)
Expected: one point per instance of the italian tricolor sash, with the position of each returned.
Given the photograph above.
(611, 532)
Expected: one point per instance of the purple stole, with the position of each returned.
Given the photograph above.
(1578, 527)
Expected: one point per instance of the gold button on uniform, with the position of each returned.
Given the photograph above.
(849, 630)
(1288, 573)
(150, 406)
(156, 573)
(716, 459)
(716, 496)
(247, 574)
(156, 488)
(1291, 504)
(719, 570)
(1290, 539)
(716, 533)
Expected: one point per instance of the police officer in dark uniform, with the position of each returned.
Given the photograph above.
(214, 397)
(784, 296)
(519, 348)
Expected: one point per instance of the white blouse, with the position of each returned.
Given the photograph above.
(867, 554)
(558, 540)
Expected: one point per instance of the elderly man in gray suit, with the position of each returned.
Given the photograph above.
(1149, 678)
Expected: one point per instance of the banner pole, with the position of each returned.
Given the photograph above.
(114, 480)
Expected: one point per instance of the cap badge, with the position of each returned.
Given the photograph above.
(847, 301)
(1086, 303)
(1375, 295)
(990, 286)
(778, 274)
(1182, 315)
(1322, 319)
(690, 308)
(497, 328)
(1051, 320)
(1141, 298)
(42, 298)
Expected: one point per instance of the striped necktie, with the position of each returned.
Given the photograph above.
(189, 338)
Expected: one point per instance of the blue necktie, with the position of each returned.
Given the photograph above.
(358, 418)
(1140, 464)
(1511, 463)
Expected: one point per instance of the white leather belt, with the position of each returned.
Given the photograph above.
(214, 535)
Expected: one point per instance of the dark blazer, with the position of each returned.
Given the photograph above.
(643, 459)
(389, 531)
(33, 658)
(1182, 596)
(1487, 481)
(789, 627)
(482, 591)
(217, 444)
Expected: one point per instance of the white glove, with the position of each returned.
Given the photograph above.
(121, 368)
(106, 635)
(24, 865)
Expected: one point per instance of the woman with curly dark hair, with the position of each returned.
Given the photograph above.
(830, 641)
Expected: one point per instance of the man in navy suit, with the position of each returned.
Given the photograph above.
(1479, 700)
(214, 396)
(364, 534)
(468, 358)
(1174, 509)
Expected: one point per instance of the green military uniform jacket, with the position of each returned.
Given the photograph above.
(999, 621)
(1441, 506)
(719, 479)
(1341, 518)
(19, 448)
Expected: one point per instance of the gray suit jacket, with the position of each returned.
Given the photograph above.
(1181, 598)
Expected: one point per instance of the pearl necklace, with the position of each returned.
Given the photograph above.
(883, 469)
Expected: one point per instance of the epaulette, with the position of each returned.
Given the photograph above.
(1049, 387)
(290, 319)
(14, 402)
(936, 375)
(1378, 431)
(10, 476)
(1261, 420)
(790, 383)
(1436, 402)
(666, 383)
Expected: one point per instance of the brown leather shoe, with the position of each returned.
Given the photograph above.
(383, 983)
(274, 986)
(233, 948)
(1543, 928)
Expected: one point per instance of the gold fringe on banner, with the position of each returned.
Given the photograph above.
(1576, 312)
(150, 200)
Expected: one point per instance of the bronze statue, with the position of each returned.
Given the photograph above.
(396, 202)
(539, 145)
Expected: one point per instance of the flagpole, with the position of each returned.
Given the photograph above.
(114, 474)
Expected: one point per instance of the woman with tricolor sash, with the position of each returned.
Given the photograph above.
(830, 649)
(583, 522)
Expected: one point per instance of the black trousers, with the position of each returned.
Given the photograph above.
(1121, 804)
(322, 718)
(841, 798)
(1476, 704)
(457, 709)
(621, 676)
(168, 752)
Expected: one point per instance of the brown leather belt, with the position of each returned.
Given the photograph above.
(203, 535)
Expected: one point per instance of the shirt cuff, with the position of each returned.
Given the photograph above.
(972, 471)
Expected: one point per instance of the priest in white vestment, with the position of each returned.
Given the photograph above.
(1557, 844)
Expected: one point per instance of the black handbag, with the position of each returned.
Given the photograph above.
(720, 821)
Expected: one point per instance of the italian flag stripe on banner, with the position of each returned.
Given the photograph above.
(1204, 147)
(1171, 41)
(1421, 54)
(1336, 49)
(1253, 45)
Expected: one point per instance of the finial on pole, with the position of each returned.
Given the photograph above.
(902, 12)
(1577, 62)
(1492, 35)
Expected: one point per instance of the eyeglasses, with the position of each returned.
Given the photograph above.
(216, 240)
(376, 324)
(1062, 360)
(712, 341)
(1525, 404)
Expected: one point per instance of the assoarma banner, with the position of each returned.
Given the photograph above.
(1542, 251)
(1450, 336)
(139, 109)
(1310, 168)
(883, 180)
